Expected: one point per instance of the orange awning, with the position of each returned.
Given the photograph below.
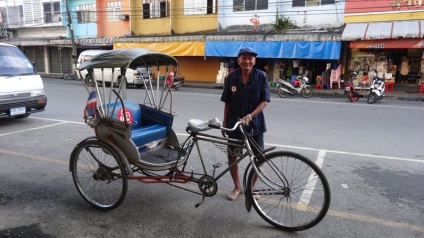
(171, 48)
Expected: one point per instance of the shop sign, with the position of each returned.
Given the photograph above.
(398, 3)
(388, 44)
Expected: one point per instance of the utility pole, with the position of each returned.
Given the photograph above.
(71, 30)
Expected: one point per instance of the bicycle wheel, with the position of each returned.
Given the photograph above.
(89, 80)
(66, 76)
(282, 93)
(307, 92)
(301, 196)
(75, 76)
(99, 174)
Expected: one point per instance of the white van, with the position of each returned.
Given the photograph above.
(132, 76)
(21, 87)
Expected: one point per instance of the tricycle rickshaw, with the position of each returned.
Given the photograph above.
(135, 141)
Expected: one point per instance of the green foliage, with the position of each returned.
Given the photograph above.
(283, 24)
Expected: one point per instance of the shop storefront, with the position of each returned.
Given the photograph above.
(385, 57)
(381, 48)
(280, 59)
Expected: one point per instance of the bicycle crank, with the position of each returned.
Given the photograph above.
(208, 186)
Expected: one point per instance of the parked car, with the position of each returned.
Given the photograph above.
(21, 87)
(133, 77)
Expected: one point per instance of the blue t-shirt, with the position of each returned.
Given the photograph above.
(245, 98)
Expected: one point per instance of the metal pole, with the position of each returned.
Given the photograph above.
(71, 30)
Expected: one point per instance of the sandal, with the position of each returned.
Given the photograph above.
(234, 194)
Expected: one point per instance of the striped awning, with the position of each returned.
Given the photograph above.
(290, 36)
(383, 30)
(21, 42)
(82, 41)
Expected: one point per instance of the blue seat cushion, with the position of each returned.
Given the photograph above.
(147, 124)
(146, 134)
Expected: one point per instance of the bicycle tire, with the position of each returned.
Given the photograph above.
(66, 76)
(303, 198)
(89, 80)
(99, 174)
(75, 76)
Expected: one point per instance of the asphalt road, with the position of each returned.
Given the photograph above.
(373, 159)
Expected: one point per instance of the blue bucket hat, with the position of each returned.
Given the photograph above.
(246, 50)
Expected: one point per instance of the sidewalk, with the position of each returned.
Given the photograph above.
(407, 92)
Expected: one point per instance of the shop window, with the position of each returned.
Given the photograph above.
(154, 9)
(249, 5)
(86, 13)
(113, 10)
(307, 3)
(199, 7)
(52, 12)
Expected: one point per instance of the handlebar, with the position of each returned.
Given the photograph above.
(219, 126)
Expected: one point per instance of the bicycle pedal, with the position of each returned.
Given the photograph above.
(217, 165)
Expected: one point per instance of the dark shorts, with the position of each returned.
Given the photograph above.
(404, 77)
(259, 139)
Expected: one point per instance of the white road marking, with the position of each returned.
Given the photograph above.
(351, 153)
(344, 185)
(48, 119)
(305, 198)
(35, 128)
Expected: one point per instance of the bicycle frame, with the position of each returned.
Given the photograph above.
(180, 176)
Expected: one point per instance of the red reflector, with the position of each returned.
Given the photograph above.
(41, 101)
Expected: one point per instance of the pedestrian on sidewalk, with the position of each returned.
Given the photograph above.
(404, 70)
(246, 94)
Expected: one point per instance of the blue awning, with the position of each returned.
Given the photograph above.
(277, 49)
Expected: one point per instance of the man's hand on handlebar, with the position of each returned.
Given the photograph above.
(244, 121)
(223, 133)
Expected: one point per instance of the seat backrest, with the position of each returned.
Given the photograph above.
(132, 112)
(333, 76)
(339, 72)
(152, 116)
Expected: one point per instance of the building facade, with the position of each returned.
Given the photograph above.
(204, 35)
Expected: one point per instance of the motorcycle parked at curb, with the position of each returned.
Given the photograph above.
(376, 90)
(285, 88)
(352, 94)
(175, 82)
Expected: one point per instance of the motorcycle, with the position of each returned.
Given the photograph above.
(376, 90)
(352, 94)
(285, 88)
(175, 82)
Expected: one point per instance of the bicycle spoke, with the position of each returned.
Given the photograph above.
(301, 200)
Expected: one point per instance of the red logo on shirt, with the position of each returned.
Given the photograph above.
(233, 89)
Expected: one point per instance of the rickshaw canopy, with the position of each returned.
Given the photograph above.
(132, 58)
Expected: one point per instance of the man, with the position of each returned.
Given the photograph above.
(246, 94)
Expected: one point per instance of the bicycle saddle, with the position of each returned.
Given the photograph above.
(197, 125)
